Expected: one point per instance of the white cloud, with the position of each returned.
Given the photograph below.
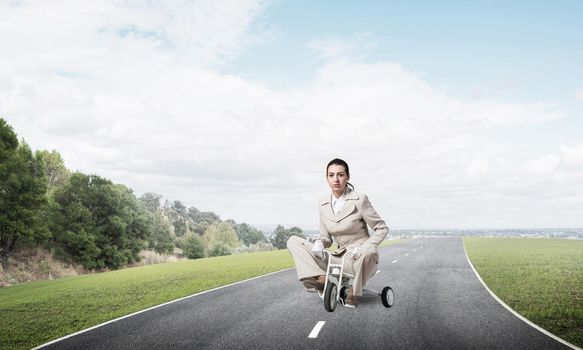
(478, 167)
(133, 92)
(573, 156)
(65, 32)
(579, 94)
(357, 46)
(543, 166)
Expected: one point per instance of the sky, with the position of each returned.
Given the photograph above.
(451, 114)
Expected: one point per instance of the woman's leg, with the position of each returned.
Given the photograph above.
(307, 264)
(363, 268)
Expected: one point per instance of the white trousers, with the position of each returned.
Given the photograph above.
(308, 265)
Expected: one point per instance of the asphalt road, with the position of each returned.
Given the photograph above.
(439, 304)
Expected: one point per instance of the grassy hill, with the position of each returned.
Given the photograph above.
(541, 279)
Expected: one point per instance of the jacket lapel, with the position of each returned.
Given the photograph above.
(347, 209)
(326, 207)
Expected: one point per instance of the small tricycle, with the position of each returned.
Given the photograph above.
(338, 282)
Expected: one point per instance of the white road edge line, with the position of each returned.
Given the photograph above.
(395, 261)
(154, 307)
(316, 330)
(525, 320)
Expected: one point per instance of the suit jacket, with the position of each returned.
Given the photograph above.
(349, 226)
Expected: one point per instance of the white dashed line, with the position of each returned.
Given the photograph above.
(316, 329)
(394, 261)
(407, 254)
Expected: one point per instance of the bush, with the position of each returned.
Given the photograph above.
(219, 249)
(192, 247)
(150, 257)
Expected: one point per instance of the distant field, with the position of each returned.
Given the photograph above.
(541, 279)
(388, 243)
(35, 313)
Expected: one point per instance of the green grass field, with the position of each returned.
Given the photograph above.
(541, 279)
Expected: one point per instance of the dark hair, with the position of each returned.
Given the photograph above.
(338, 161)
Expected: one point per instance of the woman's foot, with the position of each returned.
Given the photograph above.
(314, 283)
(351, 299)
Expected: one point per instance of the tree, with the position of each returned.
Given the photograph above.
(200, 227)
(151, 201)
(179, 207)
(192, 246)
(104, 218)
(198, 216)
(160, 239)
(280, 235)
(125, 228)
(180, 227)
(247, 234)
(296, 231)
(220, 234)
(53, 168)
(22, 192)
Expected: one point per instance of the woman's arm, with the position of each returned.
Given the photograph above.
(324, 235)
(372, 219)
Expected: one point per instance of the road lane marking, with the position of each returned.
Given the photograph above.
(407, 254)
(316, 329)
(394, 261)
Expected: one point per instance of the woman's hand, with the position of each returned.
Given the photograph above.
(356, 252)
(318, 248)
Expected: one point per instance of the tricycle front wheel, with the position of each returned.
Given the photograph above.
(330, 295)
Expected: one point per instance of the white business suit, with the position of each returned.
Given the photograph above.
(349, 229)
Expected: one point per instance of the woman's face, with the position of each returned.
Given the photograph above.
(337, 178)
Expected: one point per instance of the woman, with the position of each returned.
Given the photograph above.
(344, 216)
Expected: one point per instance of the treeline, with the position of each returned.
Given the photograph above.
(87, 219)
